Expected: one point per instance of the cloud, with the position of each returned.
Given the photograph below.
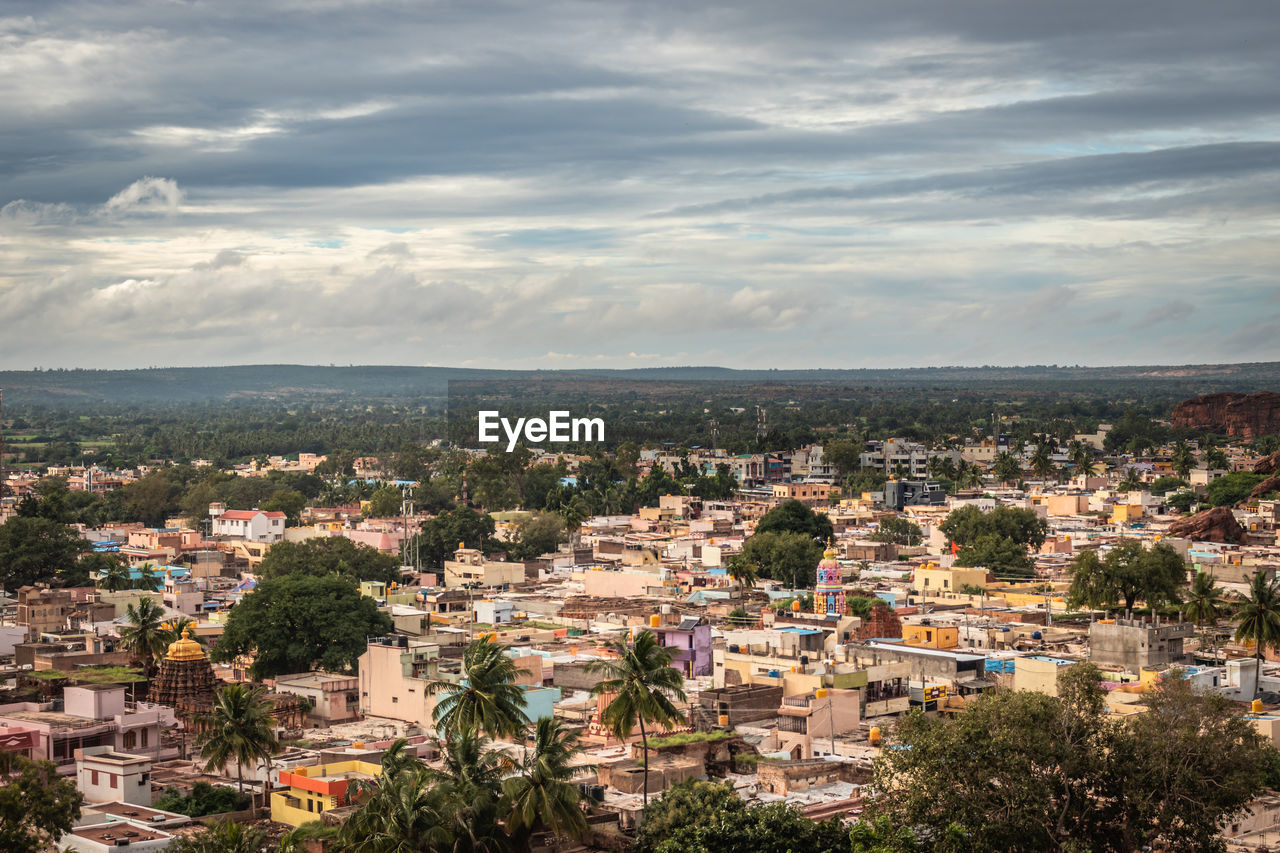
(484, 182)
(145, 195)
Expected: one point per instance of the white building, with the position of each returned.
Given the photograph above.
(106, 776)
(252, 525)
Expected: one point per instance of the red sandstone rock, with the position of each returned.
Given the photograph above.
(881, 622)
(1270, 484)
(1242, 415)
(1212, 525)
(1270, 465)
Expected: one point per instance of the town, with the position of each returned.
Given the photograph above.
(858, 644)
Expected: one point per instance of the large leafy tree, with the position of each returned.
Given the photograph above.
(1233, 488)
(1127, 573)
(144, 635)
(1022, 771)
(539, 534)
(844, 455)
(542, 796)
(440, 536)
(37, 550)
(968, 523)
(1260, 617)
(1007, 559)
(240, 728)
(222, 837)
(643, 688)
(898, 530)
(485, 698)
(37, 806)
(335, 555)
(789, 557)
(299, 622)
(792, 516)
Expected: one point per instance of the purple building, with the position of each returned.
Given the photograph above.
(690, 642)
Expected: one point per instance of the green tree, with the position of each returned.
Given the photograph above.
(1128, 572)
(110, 572)
(147, 579)
(1203, 604)
(684, 803)
(844, 455)
(37, 550)
(1260, 618)
(1131, 481)
(222, 837)
(288, 501)
(240, 728)
(37, 806)
(542, 795)
(539, 534)
(1215, 458)
(297, 622)
(1006, 469)
(743, 570)
(333, 555)
(385, 502)
(642, 685)
(791, 516)
(1164, 485)
(440, 536)
(1007, 559)
(143, 635)
(968, 523)
(204, 799)
(1233, 488)
(486, 696)
(1061, 775)
(1183, 459)
(898, 530)
(786, 557)
(1042, 461)
(1081, 456)
(1183, 501)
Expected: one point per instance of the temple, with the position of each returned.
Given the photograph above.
(828, 595)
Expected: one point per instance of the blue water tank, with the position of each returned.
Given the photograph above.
(1036, 635)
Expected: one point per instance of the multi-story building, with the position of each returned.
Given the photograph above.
(469, 568)
(106, 776)
(899, 456)
(314, 790)
(252, 525)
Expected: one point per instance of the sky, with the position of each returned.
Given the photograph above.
(617, 184)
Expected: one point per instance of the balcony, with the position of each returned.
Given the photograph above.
(794, 725)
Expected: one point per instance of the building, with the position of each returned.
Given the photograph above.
(253, 525)
(393, 677)
(43, 610)
(905, 458)
(92, 715)
(333, 698)
(312, 791)
(469, 568)
(690, 642)
(1134, 644)
(106, 776)
(899, 494)
(804, 721)
(809, 494)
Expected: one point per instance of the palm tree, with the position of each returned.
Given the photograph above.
(469, 788)
(401, 815)
(223, 837)
(240, 728)
(1260, 618)
(1183, 459)
(1007, 468)
(1131, 482)
(175, 627)
(295, 841)
(1082, 457)
(1041, 461)
(143, 635)
(115, 577)
(147, 578)
(543, 795)
(486, 698)
(1203, 604)
(643, 685)
(742, 570)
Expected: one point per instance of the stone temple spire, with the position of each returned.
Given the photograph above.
(828, 595)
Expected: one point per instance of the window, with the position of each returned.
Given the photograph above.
(145, 734)
(93, 777)
(130, 740)
(395, 698)
(310, 806)
(113, 781)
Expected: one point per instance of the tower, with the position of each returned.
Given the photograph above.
(828, 594)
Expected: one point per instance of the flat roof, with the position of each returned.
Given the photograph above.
(936, 653)
(106, 834)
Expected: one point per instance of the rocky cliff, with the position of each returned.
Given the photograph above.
(1242, 415)
(1268, 465)
(1212, 525)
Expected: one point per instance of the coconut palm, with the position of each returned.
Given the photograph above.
(240, 728)
(744, 571)
(486, 698)
(543, 797)
(401, 815)
(1081, 456)
(222, 837)
(175, 627)
(1183, 459)
(143, 635)
(1260, 618)
(1203, 604)
(1007, 468)
(147, 578)
(642, 685)
(115, 577)
(1042, 461)
(1131, 482)
(469, 789)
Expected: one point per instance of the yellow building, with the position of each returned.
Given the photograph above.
(1126, 513)
(931, 579)
(931, 636)
(316, 790)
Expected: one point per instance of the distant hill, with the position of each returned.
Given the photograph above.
(391, 383)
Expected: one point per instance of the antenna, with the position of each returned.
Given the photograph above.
(762, 422)
(714, 427)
